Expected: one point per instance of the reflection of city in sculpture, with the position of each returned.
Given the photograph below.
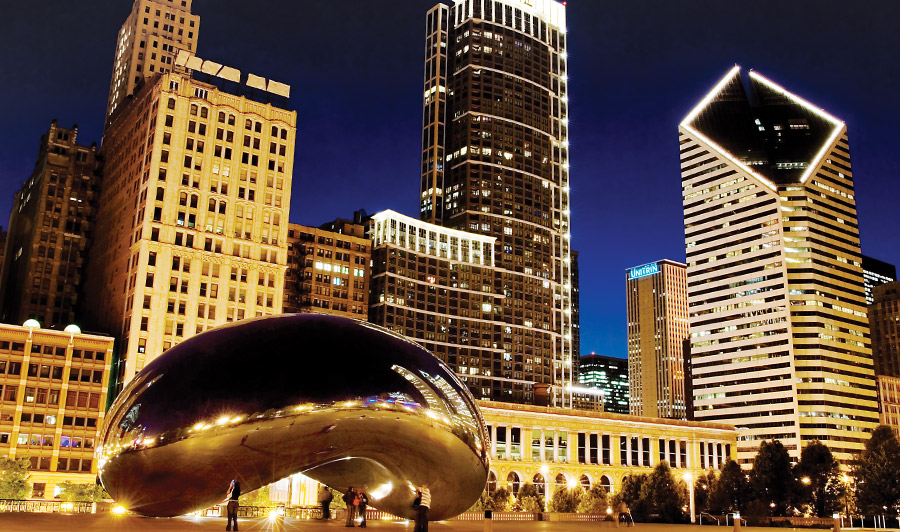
(341, 401)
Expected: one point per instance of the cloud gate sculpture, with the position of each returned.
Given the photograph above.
(342, 401)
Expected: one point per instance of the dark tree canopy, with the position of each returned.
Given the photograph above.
(771, 478)
(820, 479)
(663, 494)
(877, 473)
(731, 491)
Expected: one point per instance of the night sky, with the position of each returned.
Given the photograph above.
(636, 67)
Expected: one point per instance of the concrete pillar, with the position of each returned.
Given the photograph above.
(628, 450)
(543, 449)
(678, 453)
(494, 441)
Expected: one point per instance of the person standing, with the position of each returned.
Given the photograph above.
(234, 493)
(348, 498)
(363, 502)
(422, 509)
(325, 497)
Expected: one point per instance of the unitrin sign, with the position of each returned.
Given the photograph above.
(643, 271)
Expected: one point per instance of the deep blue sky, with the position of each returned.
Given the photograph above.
(636, 67)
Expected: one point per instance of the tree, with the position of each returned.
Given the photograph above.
(731, 491)
(630, 494)
(501, 500)
(337, 499)
(528, 499)
(565, 499)
(877, 480)
(824, 488)
(663, 494)
(593, 501)
(259, 497)
(14, 478)
(702, 488)
(772, 478)
(83, 492)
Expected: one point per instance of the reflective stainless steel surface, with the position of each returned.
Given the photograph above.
(344, 402)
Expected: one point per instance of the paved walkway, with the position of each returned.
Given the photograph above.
(24, 522)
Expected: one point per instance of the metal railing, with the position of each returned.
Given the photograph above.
(42, 506)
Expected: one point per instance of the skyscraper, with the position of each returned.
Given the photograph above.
(193, 218)
(609, 375)
(876, 273)
(657, 310)
(436, 286)
(49, 232)
(777, 310)
(884, 322)
(147, 44)
(495, 162)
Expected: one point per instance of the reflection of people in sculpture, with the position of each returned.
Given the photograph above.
(348, 498)
(234, 493)
(363, 502)
(424, 497)
(325, 497)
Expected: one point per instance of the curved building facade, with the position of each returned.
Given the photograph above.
(495, 162)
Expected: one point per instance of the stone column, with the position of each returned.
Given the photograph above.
(494, 441)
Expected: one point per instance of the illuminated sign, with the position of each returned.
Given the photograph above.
(643, 271)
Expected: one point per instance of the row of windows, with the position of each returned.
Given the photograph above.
(37, 349)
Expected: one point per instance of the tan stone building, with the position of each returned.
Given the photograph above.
(147, 45)
(889, 401)
(53, 387)
(49, 232)
(657, 311)
(328, 270)
(192, 227)
(884, 322)
(555, 447)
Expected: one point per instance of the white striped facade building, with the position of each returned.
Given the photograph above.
(779, 333)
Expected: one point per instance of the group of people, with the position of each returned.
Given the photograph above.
(356, 500)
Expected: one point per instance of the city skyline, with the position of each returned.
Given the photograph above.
(359, 115)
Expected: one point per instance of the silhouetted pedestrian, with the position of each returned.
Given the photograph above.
(349, 498)
(234, 493)
(325, 498)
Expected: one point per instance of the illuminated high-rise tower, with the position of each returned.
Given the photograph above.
(495, 162)
(657, 309)
(147, 44)
(779, 334)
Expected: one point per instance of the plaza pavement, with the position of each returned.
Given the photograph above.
(30, 522)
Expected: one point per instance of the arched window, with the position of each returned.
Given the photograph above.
(539, 483)
(491, 483)
(606, 483)
(561, 481)
(514, 482)
(585, 482)
(194, 109)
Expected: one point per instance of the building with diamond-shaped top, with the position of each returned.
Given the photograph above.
(778, 327)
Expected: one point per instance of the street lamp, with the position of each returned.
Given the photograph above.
(689, 479)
